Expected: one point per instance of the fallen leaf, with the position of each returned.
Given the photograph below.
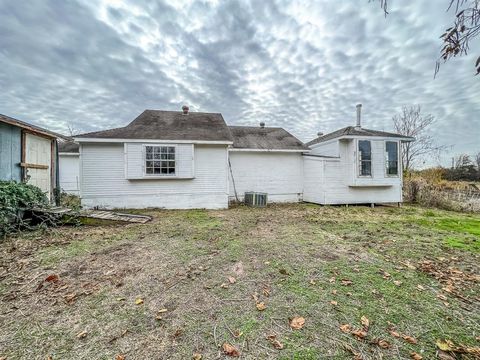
(274, 341)
(442, 297)
(394, 333)
(224, 286)
(385, 274)
(197, 356)
(261, 306)
(415, 356)
(365, 322)
(332, 279)
(283, 271)
(52, 278)
(420, 287)
(313, 282)
(237, 334)
(346, 328)
(346, 282)
(70, 298)
(445, 345)
(297, 322)
(334, 292)
(266, 291)
(397, 282)
(139, 301)
(120, 357)
(409, 339)
(361, 334)
(230, 350)
(384, 344)
(161, 311)
(81, 334)
(121, 299)
(334, 303)
(232, 280)
(356, 354)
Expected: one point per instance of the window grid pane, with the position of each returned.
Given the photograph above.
(365, 157)
(160, 160)
(391, 149)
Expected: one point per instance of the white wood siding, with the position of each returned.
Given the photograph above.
(69, 167)
(135, 160)
(329, 148)
(104, 183)
(278, 174)
(336, 181)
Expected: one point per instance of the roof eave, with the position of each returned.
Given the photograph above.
(267, 150)
(159, 141)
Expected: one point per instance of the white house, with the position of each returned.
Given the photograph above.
(182, 159)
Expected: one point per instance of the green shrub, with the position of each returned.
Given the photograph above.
(15, 198)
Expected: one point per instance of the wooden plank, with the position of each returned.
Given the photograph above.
(33, 166)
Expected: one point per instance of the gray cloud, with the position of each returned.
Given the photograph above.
(302, 66)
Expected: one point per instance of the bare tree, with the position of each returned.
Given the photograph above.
(456, 38)
(462, 160)
(411, 123)
(71, 129)
(477, 160)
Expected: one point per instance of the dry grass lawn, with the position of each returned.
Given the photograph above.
(190, 281)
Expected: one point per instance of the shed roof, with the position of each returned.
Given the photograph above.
(33, 128)
(354, 131)
(264, 138)
(169, 125)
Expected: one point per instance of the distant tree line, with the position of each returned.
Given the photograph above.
(464, 167)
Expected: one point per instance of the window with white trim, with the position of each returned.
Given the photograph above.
(391, 158)
(160, 160)
(364, 158)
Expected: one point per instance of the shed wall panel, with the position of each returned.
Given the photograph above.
(10, 152)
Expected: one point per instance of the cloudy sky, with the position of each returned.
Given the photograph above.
(302, 65)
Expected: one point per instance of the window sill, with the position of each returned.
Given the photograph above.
(369, 185)
(162, 177)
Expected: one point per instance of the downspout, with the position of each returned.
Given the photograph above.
(233, 180)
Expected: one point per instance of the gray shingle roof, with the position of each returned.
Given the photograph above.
(68, 147)
(271, 138)
(353, 131)
(169, 125)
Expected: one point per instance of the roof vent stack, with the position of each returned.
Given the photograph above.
(262, 124)
(185, 109)
(359, 116)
